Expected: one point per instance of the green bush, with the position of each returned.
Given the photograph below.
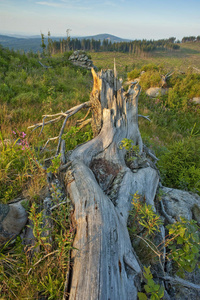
(133, 74)
(183, 242)
(75, 136)
(150, 67)
(152, 290)
(180, 165)
(149, 79)
(67, 54)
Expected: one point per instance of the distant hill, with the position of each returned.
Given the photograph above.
(28, 43)
(105, 36)
(25, 44)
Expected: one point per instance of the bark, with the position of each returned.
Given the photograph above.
(100, 185)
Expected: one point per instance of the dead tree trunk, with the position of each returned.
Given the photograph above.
(100, 186)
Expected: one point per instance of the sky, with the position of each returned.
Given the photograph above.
(131, 19)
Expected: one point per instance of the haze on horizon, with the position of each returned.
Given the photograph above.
(141, 19)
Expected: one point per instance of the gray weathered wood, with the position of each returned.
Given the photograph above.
(103, 263)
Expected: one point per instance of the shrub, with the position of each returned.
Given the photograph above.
(144, 215)
(149, 79)
(75, 137)
(153, 290)
(133, 74)
(183, 242)
(180, 165)
(150, 67)
(67, 54)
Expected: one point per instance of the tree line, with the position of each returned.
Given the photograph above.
(135, 47)
(191, 39)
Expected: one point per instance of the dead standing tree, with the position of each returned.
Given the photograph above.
(100, 186)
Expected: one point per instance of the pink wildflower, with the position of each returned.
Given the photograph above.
(23, 134)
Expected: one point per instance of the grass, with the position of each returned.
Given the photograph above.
(27, 92)
(188, 55)
(169, 124)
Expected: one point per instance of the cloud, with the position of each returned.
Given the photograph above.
(76, 4)
(52, 4)
(110, 3)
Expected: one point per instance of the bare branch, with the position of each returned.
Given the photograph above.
(183, 282)
(35, 126)
(64, 167)
(60, 115)
(50, 139)
(145, 117)
(59, 204)
(80, 121)
(55, 115)
(46, 67)
(196, 69)
(62, 151)
(85, 123)
(169, 74)
(42, 125)
(73, 112)
(169, 218)
(61, 133)
(148, 152)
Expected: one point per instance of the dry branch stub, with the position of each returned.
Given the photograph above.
(103, 262)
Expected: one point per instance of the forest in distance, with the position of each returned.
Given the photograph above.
(32, 94)
(100, 42)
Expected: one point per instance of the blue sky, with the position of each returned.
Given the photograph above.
(148, 19)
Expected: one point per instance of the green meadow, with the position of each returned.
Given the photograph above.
(28, 92)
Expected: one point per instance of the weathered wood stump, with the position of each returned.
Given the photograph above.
(101, 187)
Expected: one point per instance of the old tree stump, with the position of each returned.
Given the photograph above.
(101, 187)
(101, 182)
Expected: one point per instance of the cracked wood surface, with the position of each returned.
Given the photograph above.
(103, 263)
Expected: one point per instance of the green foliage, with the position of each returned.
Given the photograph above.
(75, 137)
(150, 75)
(182, 87)
(67, 54)
(184, 244)
(18, 164)
(186, 84)
(39, 229)
(180, 165)
(150, 67)
(55, 164)
(149, 79)
(133, 74)
(153, 291)
(144, 215)
(132, 150)
(39, 270)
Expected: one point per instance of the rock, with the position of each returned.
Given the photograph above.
(72, 57)
(180, 203)
(13, 218)
(156, 91)
(80, 59)
(196, 100)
